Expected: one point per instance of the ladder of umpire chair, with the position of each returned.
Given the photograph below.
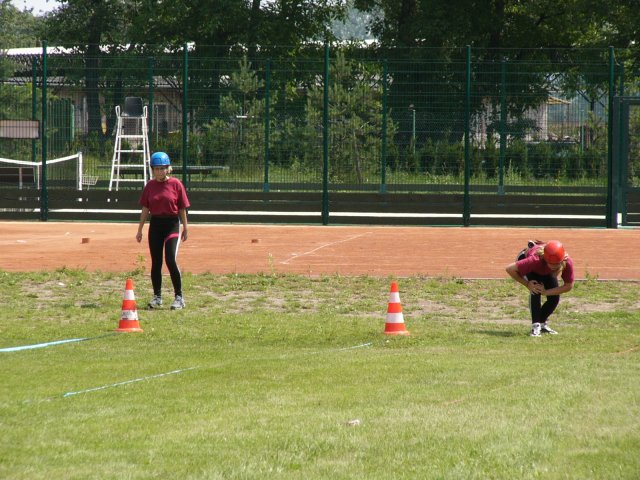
(133, 118)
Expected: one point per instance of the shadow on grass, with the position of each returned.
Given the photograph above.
(499, 333)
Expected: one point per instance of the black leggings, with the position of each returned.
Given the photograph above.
(164, 235)
(540, 312)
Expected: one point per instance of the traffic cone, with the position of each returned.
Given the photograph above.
(129, 316)
(395, 319)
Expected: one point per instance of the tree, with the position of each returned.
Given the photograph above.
(237, 134)
(19, 29)
(88, 26)
(355, 121)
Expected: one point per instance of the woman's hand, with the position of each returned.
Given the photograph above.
(535, 287)
(139, 237)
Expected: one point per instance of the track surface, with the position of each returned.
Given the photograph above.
(315, 250)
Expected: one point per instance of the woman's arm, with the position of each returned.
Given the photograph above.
(532, 285)
(558, 290)
(143, 218)
(183, 220)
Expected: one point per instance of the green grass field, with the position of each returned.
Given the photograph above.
(264, 376)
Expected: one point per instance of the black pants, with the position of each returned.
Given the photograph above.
(164, 237)
(541, 311)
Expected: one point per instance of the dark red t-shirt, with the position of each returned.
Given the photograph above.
(534, 263)
(164, 198)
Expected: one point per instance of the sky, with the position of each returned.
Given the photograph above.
(39, 7)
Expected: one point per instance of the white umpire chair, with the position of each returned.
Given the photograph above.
(132, 127)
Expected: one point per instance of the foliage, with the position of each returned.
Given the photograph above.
(19, 28)
(355, 120)
(236, 137)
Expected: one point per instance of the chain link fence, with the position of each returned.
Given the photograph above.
(332, 118)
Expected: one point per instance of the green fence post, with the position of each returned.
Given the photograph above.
(621, 180)
(383, 149)
(44, 194)
(34, 104)
(151, 93)
(267, 124)
(466, 215)
(611, 191)
(503, 125)
(185, 114)
(325, 140)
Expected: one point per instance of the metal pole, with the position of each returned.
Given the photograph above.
(503, 125)
(622, 161)
(612, 213)
(466, 215)
(44, 194)
(34, 104)
(325, 140)
(151, 93)
(413, 128)
(383, 153)
(185, 114)
(267, 125)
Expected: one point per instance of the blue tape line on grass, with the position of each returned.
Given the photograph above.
(41, 345)
(50, 344)
(173, 372)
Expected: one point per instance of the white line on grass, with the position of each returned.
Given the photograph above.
(356, 346)
(298, 255)
(95, 389)
(48, 344)
(328, 351)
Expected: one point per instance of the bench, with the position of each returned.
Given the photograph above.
(17, 175)
(203, 170)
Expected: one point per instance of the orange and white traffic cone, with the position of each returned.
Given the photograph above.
(395, 319)
(129, 317)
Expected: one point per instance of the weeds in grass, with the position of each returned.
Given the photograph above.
(272, 368)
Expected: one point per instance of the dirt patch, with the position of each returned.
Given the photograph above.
(449, 252)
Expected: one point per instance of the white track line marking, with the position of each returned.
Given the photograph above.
(173, 372)
(298, 255)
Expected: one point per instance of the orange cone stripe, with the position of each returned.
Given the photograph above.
(395, 327)
(128, 305)
(394, 308)
(128, 295)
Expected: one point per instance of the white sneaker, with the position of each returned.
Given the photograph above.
(156, 302)
(178, 303)
(535, 329)
(546, 329)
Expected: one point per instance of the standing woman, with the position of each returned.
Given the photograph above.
(538, 269)
(165, 199)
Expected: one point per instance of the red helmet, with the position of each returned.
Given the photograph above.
(553, 252)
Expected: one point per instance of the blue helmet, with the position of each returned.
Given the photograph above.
(160, 159)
